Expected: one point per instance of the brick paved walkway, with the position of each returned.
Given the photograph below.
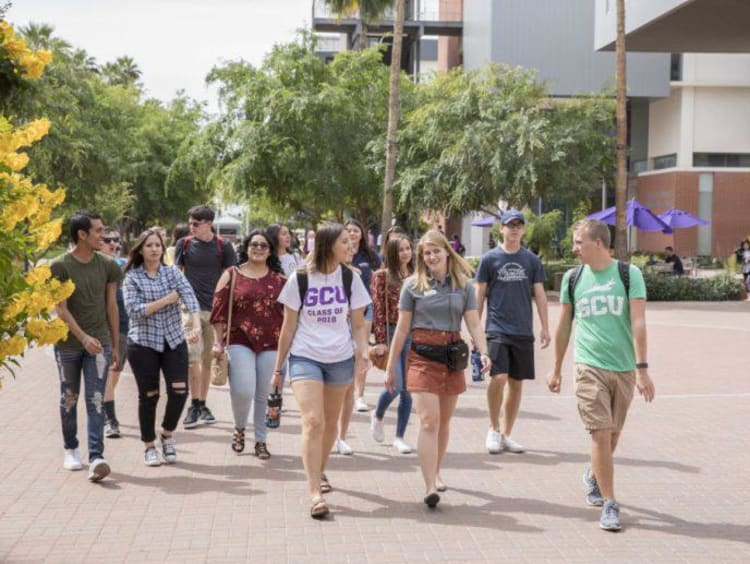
(682, 476)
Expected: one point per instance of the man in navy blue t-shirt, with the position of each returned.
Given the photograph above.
(507, 276)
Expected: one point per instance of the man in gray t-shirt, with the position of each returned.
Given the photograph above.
(202, 256)
(507, 277)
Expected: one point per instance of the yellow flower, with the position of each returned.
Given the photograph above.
(39, 275)
(16, 161)
(54, 331)
(13, 309)
(48, 233)
(12, 346)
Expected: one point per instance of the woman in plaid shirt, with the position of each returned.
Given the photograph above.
(156, 341)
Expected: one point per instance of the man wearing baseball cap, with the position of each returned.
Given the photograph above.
(506, 276)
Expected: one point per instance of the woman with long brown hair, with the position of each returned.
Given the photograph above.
(433, 302)
(156, 341)
(398, 264)
(318, 300)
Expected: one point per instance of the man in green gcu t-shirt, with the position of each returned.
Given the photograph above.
(610, 355)
(93, 339)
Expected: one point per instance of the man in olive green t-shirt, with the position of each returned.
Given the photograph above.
(93, 338)
(610, 355)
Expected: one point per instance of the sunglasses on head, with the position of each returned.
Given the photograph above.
(263, 246)
(110, 240)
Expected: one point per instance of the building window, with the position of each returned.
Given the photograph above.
(675, 67)
(665, 161)
(730, 160)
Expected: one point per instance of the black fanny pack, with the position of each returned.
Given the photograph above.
(454, 355)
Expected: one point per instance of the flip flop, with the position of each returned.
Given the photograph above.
(319, 508)
(325, 485)
(441, 487)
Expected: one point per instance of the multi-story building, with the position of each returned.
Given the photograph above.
(688, 114)
(698, 145)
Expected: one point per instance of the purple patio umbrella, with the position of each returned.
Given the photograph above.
(637, 215)
(680, 219)
(485, 221)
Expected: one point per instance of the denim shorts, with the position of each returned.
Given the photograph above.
(329, 373)
(368, 313)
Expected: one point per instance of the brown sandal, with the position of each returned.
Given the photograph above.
(261, 451)
(325, 485)
(238, 440)
(319, 508)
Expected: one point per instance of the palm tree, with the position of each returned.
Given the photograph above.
(123, 71)
(394, 109)
(370, 11)
(621, 181)
(41, 36)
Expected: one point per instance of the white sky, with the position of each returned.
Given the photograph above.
(174, 42)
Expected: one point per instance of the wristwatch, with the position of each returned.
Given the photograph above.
(641, 364)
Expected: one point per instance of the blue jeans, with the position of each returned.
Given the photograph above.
(70, 365)
(386, 397)
(249, 376)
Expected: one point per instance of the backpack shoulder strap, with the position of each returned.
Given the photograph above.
(347, 275)
(302, 281)
(186, 240)
(624, 269)
(575, 275)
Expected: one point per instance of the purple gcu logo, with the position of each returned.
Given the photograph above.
(325, 296)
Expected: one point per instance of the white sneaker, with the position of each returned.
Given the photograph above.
(401, 446)
(512, 446)
(72, 459)
(361, 405)
(343, 448)
(494, 442)
(151, 457)
(376, 429)
(98, 470)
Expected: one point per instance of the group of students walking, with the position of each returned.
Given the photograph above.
(276, 316)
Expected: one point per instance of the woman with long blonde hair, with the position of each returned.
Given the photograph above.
(432, 304)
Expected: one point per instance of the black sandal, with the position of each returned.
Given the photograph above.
(238, 440)
(261, 451)
(325, 485)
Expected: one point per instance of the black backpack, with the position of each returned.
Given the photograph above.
(623, 268)
(347, 275)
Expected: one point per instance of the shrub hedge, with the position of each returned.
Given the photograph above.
(721, 288)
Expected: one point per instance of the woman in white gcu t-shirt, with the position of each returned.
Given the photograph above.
(318, 337)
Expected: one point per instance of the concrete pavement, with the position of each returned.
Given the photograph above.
(681, 475)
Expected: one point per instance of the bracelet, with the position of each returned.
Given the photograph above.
(276, 372)
(641, 364)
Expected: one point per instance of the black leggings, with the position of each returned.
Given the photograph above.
(146, 364)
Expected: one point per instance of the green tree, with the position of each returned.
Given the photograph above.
(367, 11)
(307, 134)
(122, 72)
(480, 136)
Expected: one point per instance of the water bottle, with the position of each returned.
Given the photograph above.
(476, 366)
(273, 409)
(100, 365)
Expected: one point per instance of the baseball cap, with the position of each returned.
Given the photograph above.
(511, 215)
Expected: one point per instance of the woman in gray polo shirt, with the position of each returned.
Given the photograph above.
(433, 302)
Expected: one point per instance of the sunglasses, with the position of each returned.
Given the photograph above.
(110, 240)
(195, 223)
(262, 246)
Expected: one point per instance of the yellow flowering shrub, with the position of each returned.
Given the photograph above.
(28, 294)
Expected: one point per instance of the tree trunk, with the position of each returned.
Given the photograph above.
(621, 183)
(394, 108)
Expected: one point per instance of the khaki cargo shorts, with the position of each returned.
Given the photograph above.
(200, 351)
(603, 397)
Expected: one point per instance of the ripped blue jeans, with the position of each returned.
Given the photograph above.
(71, 365)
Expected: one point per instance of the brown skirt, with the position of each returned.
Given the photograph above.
(424, 375)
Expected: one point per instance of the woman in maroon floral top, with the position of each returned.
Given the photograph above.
(386, 285)
(254, 335)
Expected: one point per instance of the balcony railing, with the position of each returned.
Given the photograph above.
(415, 11)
